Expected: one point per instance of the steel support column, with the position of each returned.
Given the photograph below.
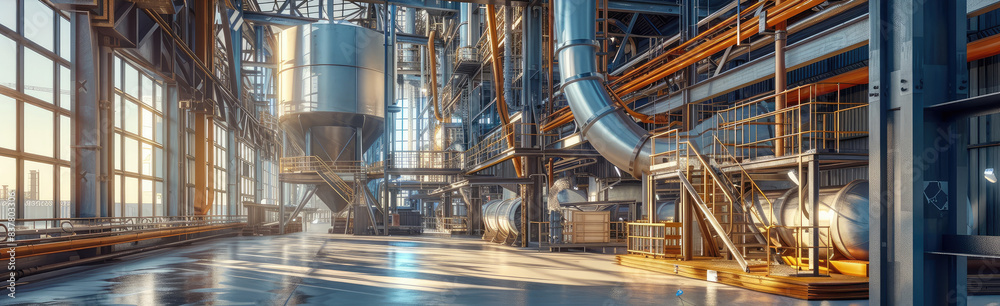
(918, 59)
(87, 150)
(390, 91)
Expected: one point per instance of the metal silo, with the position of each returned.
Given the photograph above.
(331, 80)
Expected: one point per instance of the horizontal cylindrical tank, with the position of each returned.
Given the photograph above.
(503, 215)
(843, 208)
(666, 211)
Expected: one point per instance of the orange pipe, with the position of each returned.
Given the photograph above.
(775, 15)
(431, 54)
(680, 48)
(491, 14)
(73, 245)
(983, 48)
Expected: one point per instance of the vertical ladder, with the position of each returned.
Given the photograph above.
(602, 35)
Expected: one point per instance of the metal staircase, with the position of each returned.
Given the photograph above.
(723, 212)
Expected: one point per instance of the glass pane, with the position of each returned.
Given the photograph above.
(147, 159)
(65, 88)
(158, 208)
(131, 197)
(118, 72)
(65, 137)
(39, 79)
(65, 31)
(131, 116)
(38, 130)
(131, 155)
(158, 129)
(118, 151)
(158, 162)
(131, 81)
(147, 123)
(65, 195)
(8, 17)
(8, 58)
(39, 24)
(118, 196)
(39, 186)
(158, 100)
(8, 114)
(8, 180)
(147, 91)
(118, 111)
(147, 198)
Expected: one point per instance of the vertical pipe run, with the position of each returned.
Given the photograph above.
(780, 84)
(390, 82)
(498, 79)
(432, 57)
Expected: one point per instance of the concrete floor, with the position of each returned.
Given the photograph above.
(318, 268)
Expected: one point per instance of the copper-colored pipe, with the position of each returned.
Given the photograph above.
(552, 178)
(780, 84)
(777, 14)
(432, 56)
(72, 245)
(680, 48)
(491, 14)
(983, 48)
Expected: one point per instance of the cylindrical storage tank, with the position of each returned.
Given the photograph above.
(843, 208)
(330, 92)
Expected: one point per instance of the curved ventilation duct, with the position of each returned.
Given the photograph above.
(613, 133)
(503, 215)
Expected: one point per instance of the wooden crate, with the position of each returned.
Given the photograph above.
(590, 227)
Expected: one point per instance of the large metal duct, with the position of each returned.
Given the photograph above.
(843, 208)
(612, 132)
(330, 91)
(503, 215)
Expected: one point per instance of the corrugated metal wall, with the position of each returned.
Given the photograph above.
(984, 152)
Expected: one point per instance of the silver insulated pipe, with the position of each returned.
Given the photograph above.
(612, 132)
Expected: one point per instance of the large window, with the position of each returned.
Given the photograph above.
(35, 133)
(269, 190)
(221, 206)
(248, 172)
(138, 142)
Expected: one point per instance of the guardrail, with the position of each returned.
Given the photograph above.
(57, 227)
(426, 160)
(497, 142)
(617, 231)
(816, 118)
(654, 239)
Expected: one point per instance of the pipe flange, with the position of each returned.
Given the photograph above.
(635, 154)
(581, 77)
(576, 42)
(597, 117)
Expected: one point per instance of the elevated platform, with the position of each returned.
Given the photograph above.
(773, 164)
(834, 287)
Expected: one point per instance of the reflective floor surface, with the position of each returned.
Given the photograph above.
(323, 269)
